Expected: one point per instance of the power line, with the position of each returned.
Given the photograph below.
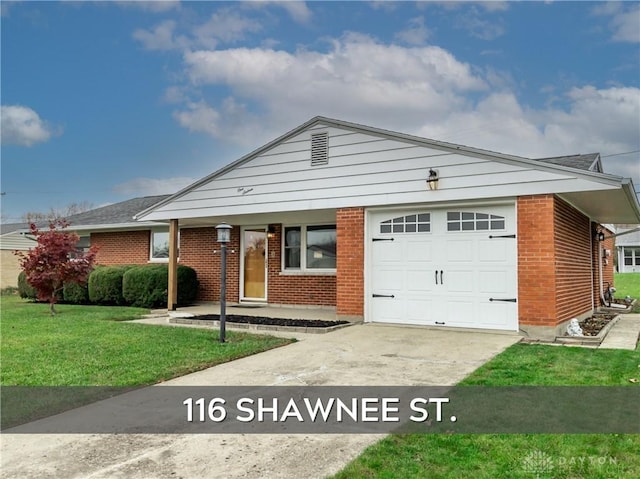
(620, 154)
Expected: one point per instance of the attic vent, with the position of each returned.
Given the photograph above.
(319, 149)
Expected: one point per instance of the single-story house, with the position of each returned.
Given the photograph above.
(394, 228)
(12, 238)
(628, 246)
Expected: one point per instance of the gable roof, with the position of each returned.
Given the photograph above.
(6, 228)
(580, 173)
(115, 216)
(589, 162)
(116, 213)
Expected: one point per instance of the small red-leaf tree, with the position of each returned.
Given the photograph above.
(55, 261)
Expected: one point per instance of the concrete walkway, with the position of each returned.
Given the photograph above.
(360, 355)
(624, 334)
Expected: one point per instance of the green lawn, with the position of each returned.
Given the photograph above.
(91, 345)
(493, 456)
(628, 284)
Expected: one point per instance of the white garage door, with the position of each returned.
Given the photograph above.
(444, 267)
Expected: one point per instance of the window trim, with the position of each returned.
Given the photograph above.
(303, 269)
(160, 260)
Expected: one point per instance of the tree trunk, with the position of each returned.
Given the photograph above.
(52, 308)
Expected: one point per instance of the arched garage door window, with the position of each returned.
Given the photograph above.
(417, 223)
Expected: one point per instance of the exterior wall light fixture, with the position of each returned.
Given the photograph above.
(432, 181)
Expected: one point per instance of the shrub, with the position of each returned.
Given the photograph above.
(75, 293)
(147, 286)
(187, 285)
(9, 291)
(105, 284)
(25, 290)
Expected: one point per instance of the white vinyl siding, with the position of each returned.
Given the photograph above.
(363, 170)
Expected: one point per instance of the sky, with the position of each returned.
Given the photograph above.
(107, 101)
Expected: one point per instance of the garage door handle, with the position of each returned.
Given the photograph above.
(507, 300)
(436, 276)
(441, 278)
(383, 295)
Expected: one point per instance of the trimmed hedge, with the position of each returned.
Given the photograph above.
(105, 284)
(75, 293)
(25, 290)
(147, 286)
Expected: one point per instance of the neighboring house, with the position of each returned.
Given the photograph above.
(120, 239)
(13, 237)
(628, 246)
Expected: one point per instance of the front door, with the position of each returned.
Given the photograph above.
(254, 247)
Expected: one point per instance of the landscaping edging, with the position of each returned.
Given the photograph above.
(593, 341)
(258, 327)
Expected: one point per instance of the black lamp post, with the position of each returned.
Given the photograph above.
(224, 236)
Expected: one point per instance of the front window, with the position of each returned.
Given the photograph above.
(310, 247)
(160, 245)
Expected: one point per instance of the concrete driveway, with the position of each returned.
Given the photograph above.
(360, 355)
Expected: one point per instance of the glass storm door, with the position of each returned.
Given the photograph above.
(254, 264)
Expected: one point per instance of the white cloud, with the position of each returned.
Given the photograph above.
(416, 33)
(161, 37)
(625, 20)
(155, 6)
(199, 117)
(297, 10)
(23, 126)
(356, 75)
(480, 27)
(224, 26)
(153, 186)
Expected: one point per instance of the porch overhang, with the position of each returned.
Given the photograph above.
(614, 206)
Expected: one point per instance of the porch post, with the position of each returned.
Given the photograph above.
(172, 296)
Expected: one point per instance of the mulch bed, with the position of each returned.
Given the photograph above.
(300, 323)
(593, 325)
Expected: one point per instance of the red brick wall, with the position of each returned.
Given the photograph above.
(318, 290)
(197, 246)
(122, 247)
(350, 262)
(555, 273)
(573, 261)
(536, 260)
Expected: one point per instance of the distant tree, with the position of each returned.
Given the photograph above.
(55, 261)
(57, 213)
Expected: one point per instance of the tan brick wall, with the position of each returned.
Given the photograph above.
(122, 247)
(10, 267)
(350, 262)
